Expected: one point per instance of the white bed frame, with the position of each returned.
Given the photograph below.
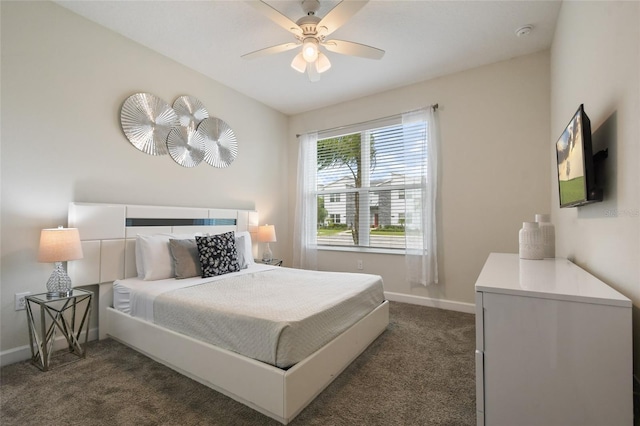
(107, 233)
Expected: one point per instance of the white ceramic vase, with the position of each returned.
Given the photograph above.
(548, 235)
(531, 244)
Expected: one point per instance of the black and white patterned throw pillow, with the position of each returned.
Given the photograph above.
(218, 254)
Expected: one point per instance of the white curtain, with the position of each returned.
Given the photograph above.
(306, 216)
(420, 229)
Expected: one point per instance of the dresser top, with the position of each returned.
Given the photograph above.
(549, 278)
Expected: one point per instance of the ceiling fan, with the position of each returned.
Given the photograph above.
(310, 32)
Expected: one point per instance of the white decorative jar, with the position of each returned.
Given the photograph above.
(548, 235)
(531, 245)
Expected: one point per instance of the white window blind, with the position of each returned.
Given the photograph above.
(368, 176)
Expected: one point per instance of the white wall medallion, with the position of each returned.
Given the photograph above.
(146, 121)
(190, 111)
(220, 146)
(186, 146)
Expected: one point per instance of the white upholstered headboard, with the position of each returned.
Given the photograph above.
(108, 234)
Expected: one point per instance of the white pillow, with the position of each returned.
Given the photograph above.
(153, 256)
(244, 248)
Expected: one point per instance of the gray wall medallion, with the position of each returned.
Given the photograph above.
(186, 146)
(220, 146)
(146, 121)
(190, 111)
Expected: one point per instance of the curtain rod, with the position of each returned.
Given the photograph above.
(433, 106)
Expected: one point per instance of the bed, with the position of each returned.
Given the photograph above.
(279, 378)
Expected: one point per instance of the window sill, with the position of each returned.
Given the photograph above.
(400, 252)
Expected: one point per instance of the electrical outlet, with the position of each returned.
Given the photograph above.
(360, 265)
(21, 302)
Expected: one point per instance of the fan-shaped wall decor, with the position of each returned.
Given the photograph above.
(190, 111)
(186, 146)
(220, 146)
(186, 131)
(146, 121)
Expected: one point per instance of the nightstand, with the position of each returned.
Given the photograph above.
(273, 262)
(69, 315)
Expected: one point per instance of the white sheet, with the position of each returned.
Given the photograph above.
(275, 315)
(135, 296)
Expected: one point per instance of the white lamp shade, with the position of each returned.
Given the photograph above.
(267, 234)
(310, 50)
(298, 63)
(59, 245)
(322, 63)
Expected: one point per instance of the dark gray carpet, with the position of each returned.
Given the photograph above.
(418, 372)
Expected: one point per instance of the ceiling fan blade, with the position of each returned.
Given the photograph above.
(353, 49)
(312, 72)
(276, 16)
(340, 14)
(270, 50)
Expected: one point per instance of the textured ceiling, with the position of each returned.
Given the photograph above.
(422, 40)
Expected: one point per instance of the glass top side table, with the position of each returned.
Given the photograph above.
(69, 315)
(274, 262)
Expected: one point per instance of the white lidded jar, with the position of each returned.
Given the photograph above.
(531, 245)
(548, 235)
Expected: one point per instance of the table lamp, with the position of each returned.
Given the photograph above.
(267, 234)
(59, 245)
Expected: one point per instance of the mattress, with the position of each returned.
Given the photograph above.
(271, 314)
(135, 296)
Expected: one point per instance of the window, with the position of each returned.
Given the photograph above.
(371, 175)
(370, 163)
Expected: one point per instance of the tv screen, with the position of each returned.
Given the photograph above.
(575, 163)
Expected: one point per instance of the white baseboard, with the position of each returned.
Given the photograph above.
(22, 353)
(450, 305)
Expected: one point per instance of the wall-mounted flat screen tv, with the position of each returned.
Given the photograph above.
(576, 179)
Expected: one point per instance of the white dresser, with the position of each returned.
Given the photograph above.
(553, 346)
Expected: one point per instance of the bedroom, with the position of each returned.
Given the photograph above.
(64, 79)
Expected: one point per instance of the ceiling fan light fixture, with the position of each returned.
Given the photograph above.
(311, 31)
(323, 63)
(310, 49)
(299, 63)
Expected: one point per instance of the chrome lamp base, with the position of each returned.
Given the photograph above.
(59, 284)
(267, 255)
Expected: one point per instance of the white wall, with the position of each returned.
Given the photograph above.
(64, 80)
(495, 131)
(595, 60)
